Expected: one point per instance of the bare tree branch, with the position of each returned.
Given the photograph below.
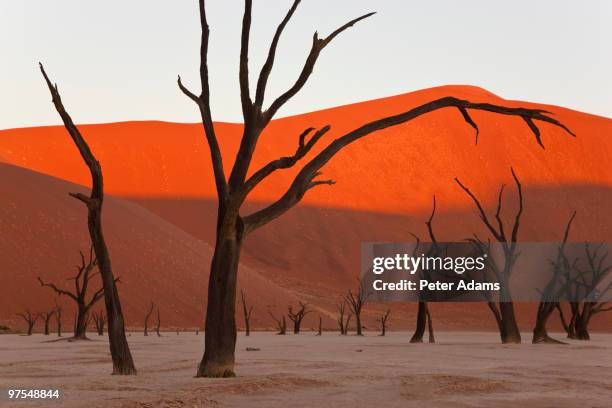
(318, 44)
(301, 182)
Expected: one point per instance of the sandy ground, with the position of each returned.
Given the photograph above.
(461, 370)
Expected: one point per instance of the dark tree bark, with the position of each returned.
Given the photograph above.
(58, 318)
(246, 311)
(430, 330)
(281, 323)
(47, 319)
(423, 314)
(30, 319)
(320, 331)
(232, 227)
(99, 321)
(503, 311)
(383, 322)
(356, 303)
(81, 285)
(146, 320)
(552, 291)
(158, 325)
(298, 316)
(123, 363)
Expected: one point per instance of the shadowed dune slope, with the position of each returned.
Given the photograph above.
(43, 230)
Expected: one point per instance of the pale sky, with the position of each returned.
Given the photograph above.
(117, 60)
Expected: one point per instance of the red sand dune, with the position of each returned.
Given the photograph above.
(384, 190)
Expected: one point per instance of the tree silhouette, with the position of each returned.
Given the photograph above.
(281, 323)
(146, 320)
(81, 285)
(99, 321)
(232, 227)
(356, 301)
(123, 364)
(503, 311)
(558, 284)
(343, 311)
(246, 312)
(587, 291)
(46, 316)
(297, 316)
(383, 322)
(30, 319)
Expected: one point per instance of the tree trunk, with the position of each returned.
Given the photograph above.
(30, 328)
(510, 332)
(47, 331)
(540, 334)
(358, 322)
(80, 327)
(123, 364)
(430, 330)
(220, 328)
(417, 337)
(581, 329)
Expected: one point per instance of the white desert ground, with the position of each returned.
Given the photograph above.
(463, 369)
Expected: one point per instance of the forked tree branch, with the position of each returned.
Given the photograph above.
(310, 170)
(203, 102)
(318, 44)
(266, 69)
(94, 166)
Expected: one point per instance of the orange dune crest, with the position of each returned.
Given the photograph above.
(396, 170)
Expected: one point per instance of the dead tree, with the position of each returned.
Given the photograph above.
(298, 316)
(47, 319)
(58, 318)
(30, 319)
(85, 272)
(423, 314)
(550, 295)
(356, 303)
(281, 323)
(503, 310)
(383, 322)
(320, 331)
(587, 297)
(232, 226)
(158, 325)
(343, 311)
(146, 321)
(99, 319)
(123, 363)
(246, 311)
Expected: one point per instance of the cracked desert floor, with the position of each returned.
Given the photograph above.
(464, 369)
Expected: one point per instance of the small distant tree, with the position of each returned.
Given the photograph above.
(423, 313)
(30, 319)
(246, 311)
(587, 297)
(47, 319)
(81, 286)
(297, 316)
(146, 321)
(558, 284)
(281, 323)
(344, 317)
(99, 319)
(158, 325)
(58, 318)
(320, 332)
(383, 322)
(356, 303)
